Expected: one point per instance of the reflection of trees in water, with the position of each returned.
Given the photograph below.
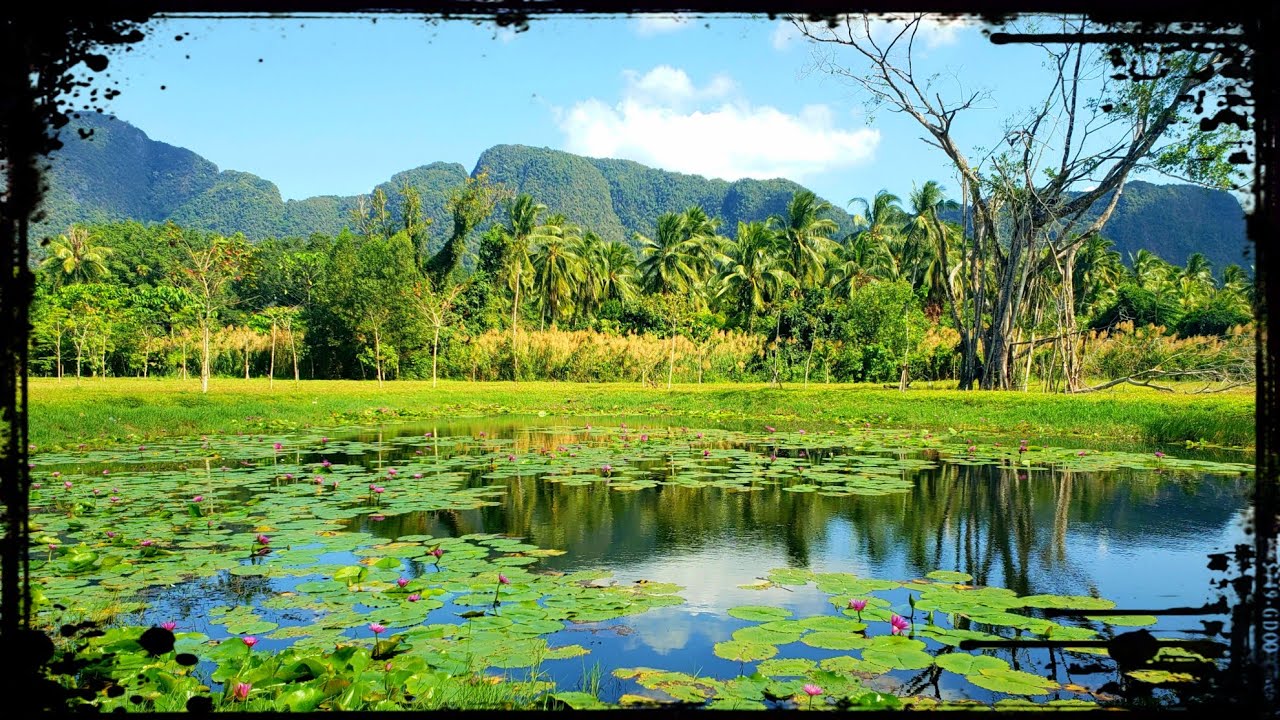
(992, 521)
(999, 523)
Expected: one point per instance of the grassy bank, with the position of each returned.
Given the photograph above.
(101, 412)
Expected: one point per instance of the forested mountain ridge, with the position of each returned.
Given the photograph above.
(120, 174)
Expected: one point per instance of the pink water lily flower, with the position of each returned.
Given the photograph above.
(706, 453)
(414, 597)
(326, 464)
(391, 472)
(114, 498)
(858, 605)
(511, 458)
(417, 476)
(111, 534)
(197, 499)
(770, 429)
(263, 540)
(379, 489)
(67, 484)
(898, 623)
(146, 543)
(402, 582)
(319, 479)
(377, 628)
(502, 579)
(810, 689)
(242, 691)
(250, 640)
(1159, 455)
(278, 446)
(169, 625)
(437, 552)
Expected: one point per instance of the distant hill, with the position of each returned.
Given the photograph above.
(120, 173)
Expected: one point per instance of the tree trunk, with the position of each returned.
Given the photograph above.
(377, 353)
(1070, 355)
(58, 355)
(515, 307)
(807, 358)
(435, 352)
(671, 362)
(146, 356)
(777, 350)
(204, 357)
(271, 371)
(1031, 350)
(246, 357)
(293, 350)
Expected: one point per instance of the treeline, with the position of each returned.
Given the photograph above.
(787, 298)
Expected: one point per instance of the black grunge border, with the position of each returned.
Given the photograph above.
(42, 44)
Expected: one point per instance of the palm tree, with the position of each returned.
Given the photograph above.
(879, 222)
(1195, 282)
(524, 228)
(1237, 288)
(617, 272)
(78, 255)
(1097, 272)
(589, 248)
(931, 254)
(805, 237)
(670, 261)
(862, 256)
(556, 268)
(752, 276)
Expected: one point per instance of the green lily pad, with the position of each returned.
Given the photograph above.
(744, 651)
(1012, 682)
(759, 613)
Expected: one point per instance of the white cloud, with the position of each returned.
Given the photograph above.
(648, 25)
(784, 33)
(665, 120)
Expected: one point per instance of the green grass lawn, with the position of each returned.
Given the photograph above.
(103, 412)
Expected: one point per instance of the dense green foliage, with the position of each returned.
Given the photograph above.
(121, 174)
(785, 299)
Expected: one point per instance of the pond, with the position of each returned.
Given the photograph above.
(641, 561)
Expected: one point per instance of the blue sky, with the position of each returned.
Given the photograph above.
(338, 105)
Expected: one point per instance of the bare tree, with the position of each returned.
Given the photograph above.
(1030, 199)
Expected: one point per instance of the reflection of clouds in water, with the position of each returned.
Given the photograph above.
(671, 629)
(710, 579)
(711, 576)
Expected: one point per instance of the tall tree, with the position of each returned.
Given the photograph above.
(557, 270)
(1095, 126)
(804, 233)
(524, 226)
(209, 266)
(77, 256)
(468, 206)
(753, 275)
